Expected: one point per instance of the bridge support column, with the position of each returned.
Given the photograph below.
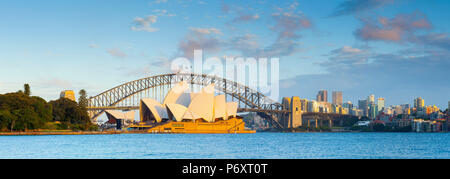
(295, 118)
(330, 123)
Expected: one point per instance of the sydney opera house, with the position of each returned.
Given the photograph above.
(182, 112)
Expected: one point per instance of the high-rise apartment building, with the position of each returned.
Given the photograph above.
(322, 96)
(371, 99)
(380, 104)
(419, 103)
(337, 98)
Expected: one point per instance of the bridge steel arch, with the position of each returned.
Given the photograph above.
(253, 100)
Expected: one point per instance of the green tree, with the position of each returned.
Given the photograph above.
(82, 100)
(22, 112)
(26, 89)
(70, 114)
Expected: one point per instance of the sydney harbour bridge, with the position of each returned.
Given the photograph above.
(128, 95)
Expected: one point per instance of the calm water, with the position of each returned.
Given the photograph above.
(259, 145)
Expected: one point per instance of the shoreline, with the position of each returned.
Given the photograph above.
(59, 133)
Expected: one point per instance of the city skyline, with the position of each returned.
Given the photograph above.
(398, 50)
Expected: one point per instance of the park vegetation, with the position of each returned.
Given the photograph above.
(20, 111)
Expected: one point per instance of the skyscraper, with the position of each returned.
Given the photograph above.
(363, 106)
(337, 98)
(371, 99)
(322, 96)
(373, 108)
(380, 103)
(419, 103)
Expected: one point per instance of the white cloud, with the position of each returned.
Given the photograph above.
(144, 24)
(117, 53)
(206, 30)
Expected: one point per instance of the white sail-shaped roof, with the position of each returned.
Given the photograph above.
(184, 99)
(232, 109)
(193, 95)
(115, 114)
(176, 110)
(174, 93)
(203, 104)
(191, 115)
(220, 107)
(156, 108)
(209, 89)
(129, 115)
(120, 115)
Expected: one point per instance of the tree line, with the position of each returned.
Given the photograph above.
(19, 111)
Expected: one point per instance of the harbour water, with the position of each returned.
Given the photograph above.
(248, 146)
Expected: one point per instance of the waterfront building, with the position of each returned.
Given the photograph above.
(206, 113)
(322, 96)
(69, 94)
(337, 98)
(419, 103)
(420, 125)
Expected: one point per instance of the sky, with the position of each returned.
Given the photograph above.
(395, 49)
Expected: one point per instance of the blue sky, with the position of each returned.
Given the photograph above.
(394, 49)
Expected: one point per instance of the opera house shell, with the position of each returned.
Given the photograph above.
(182, 112)
(119, 118)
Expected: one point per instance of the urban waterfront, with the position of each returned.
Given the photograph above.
(251, 146)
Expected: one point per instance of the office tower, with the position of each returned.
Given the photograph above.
(419, 103)
(322, 96)
(363, 106)
(371, 99)
(373, 109)
(380, 103)
(337, 97)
